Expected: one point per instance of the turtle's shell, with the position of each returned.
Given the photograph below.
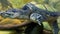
(9, 23)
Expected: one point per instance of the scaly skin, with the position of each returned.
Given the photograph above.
(31, 12)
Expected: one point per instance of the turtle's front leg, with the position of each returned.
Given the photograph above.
(37, 18)
(55, 27)
(53, 23)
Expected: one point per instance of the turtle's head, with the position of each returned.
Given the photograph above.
(11, 13)
(1, 12)
(7, 14)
